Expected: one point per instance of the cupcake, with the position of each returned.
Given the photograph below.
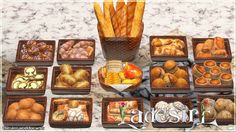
(215, 82)
(170, 66)
(198, 70)
(209, 64)
(225, 67)
(201, 81)
(226, 78)
(215, 72)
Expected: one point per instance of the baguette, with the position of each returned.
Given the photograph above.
(106, 28)
(106, 9)
(123, 22)
(130, 14)
(137, 20)
(119, 6)
(113, 17)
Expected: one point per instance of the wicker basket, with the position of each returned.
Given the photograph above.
(120, 48)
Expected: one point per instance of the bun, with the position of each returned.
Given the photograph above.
(11, 114)
(170, 66)
(181, 83)
(14, 106)
(38, 108)
(157, 72)
(158, 83)
(35, 116)
(180, 73)
(23, 115)
(25, 103)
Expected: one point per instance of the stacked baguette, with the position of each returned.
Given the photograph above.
(124, 21)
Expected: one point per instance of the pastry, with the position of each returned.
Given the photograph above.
(225, 67)
(215, 82)
(226, 78)
(210, 112)
(157, 72)
(198, 70)
(170, 79)
(208, 44)
(23, 115)
(38, 108)
(219, 43)
(14, 106)
(158, 83)
(220, 104)
(181, 73)
(207, 102)
(201, 81)
(207, 76)
(224, 114)
(209, 64)
(231, 107)
(170, 66)
(25, 104)
(156, 42)
(35, 116)
(211, 48)
(11, 114)
(181, 83)
(215, 72)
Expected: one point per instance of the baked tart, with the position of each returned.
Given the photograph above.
(226, 78)
(225, 67)
(198, 70)
(215, 82)
(209, 64)
(215, 72)
(207, 76)
(201, 81)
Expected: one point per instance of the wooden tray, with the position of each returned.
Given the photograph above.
(20, 61)
(105, 102)
(120, 48)
(169, 89)
(20, 70)
(71, 124)
(111, 89)
(186, 101)
(29, 123)
(196, 41)
(208, 88)
(72, 91)
(215, 97)
(168, 57)
(88, 61)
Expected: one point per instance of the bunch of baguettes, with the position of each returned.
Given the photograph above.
(124, 21)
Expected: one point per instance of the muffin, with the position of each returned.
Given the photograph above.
(181, 83)
(225, 67)
(158, 83)
(215, 82)
(201, 81)
(181, 73)
(226, 79)
(215, 72)
(157, 72)
(209, 64)
(170, 66)
(198, 70)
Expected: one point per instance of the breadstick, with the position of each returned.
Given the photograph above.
(123, 22)
(119, 6)
(138, 16)
(106, 29)
(130, 14)
(106, 9)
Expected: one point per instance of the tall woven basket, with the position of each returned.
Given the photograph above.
(120, 48)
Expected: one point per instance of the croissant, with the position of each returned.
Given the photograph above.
(220, 53)
(199, 48)
(219, 43)
(204, 54)
(207, 46)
